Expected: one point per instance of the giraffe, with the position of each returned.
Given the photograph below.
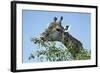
(56, 32)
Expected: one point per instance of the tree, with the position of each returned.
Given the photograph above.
(50, 52)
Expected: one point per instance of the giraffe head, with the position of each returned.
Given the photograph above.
(54, 32)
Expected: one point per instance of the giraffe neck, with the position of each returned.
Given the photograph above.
(72, 44)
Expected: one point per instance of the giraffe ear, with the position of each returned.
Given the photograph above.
(67, 28)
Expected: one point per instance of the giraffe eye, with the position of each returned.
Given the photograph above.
(58, 29)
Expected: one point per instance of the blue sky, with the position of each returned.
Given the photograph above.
(35, 22)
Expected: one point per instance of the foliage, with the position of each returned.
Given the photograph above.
(50, 52)
(83, 55)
